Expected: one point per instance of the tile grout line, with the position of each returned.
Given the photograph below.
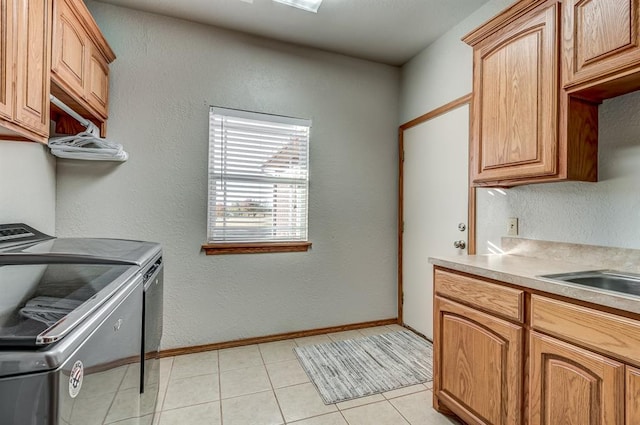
(191, 405)
(273, 390)
(343, 416)
(289, 386)
(166, 390)
(399, 412)
(219, 386)
(163, 410)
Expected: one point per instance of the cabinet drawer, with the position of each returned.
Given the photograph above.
(506, 302)
(604, 332)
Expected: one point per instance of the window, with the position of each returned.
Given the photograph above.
(258, 182)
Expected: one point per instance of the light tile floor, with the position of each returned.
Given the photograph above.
(264, 384)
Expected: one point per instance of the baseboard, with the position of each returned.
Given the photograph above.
(271, 338)
(416, 332)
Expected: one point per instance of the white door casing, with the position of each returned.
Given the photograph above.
(435, 201)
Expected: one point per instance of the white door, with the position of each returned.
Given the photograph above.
(436, 158)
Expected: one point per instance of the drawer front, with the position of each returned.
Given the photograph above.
(603, 332)
(506, 302)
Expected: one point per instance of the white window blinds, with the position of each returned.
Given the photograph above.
(258, 177)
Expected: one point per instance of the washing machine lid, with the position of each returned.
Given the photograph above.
(41, 303)
(20, 241)
(91, 250)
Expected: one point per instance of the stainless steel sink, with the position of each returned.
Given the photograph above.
(608, 280)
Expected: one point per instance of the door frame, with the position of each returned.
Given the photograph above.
(471, 224)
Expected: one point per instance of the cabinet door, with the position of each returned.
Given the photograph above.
(515, 103)
(573, 386)
(632, 405)
(70, 50)
(33, 64)
(478, 361)
(97, 89)
(6, 59)
(601, 36)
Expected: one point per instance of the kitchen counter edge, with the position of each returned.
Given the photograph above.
(525, 272)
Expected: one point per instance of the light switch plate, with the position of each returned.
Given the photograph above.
(512, 226)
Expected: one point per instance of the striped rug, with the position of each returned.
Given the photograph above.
(354, 368)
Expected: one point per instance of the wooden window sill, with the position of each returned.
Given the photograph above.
(255, 247)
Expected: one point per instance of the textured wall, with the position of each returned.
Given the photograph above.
(603, 213)
(167, 74)
(27, 185)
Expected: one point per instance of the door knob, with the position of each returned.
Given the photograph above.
(460, 244)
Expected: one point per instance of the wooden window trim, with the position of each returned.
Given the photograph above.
(255, 247)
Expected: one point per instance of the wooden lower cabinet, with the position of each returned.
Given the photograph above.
(561, 364)
(632, 405)
(478, 360)
(573, 386)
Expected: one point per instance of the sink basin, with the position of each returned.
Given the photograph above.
(625, 283)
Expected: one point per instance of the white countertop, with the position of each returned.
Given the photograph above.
(525, 271)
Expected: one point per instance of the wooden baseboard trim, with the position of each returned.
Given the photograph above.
(271, 338)
(417, 333)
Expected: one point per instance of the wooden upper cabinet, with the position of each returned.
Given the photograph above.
(81, 57)
(70, 49)
(515, 104)
(6, 59)
(525, 128)
(572, 386)
(32, 65)
(98, 81)
(25, 26)
(601, 37)
(478, 361)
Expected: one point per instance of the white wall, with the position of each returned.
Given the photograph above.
(443, 71)
(604, 213)
(166, 75)
(27, 185)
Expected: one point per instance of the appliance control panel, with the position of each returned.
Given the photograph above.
(19, 233)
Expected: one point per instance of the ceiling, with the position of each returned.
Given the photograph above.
(387, 31)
